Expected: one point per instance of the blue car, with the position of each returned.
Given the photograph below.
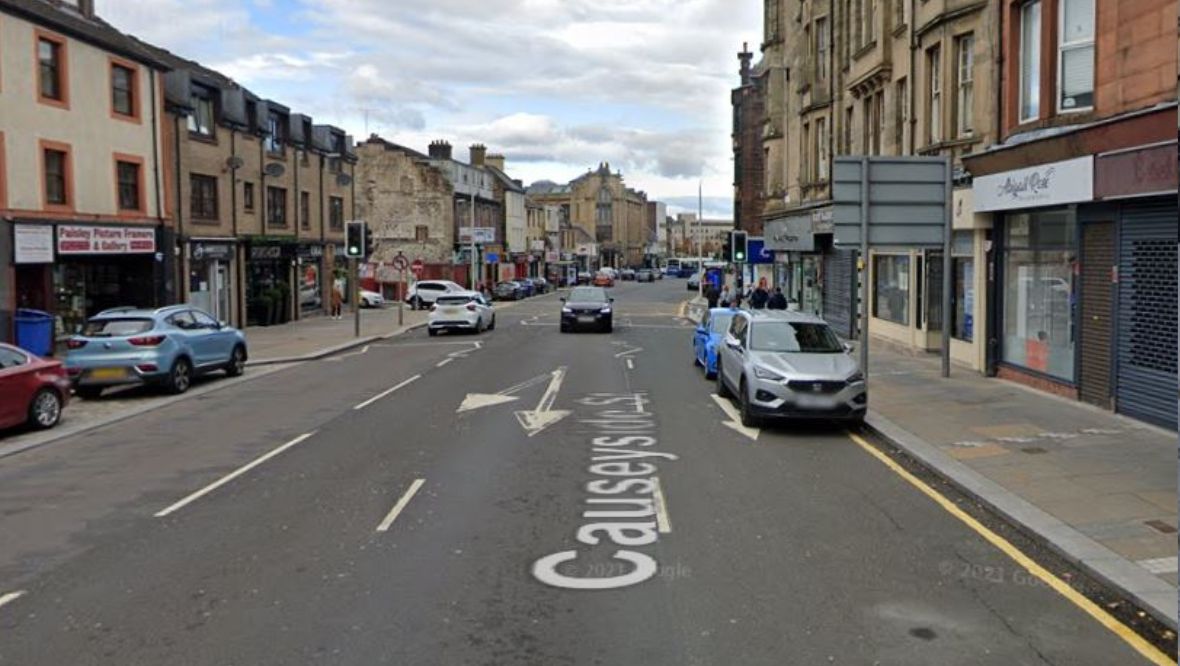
(165, 347)
(708, 337)
(527, 290)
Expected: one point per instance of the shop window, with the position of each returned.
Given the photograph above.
(1038, 292)
(305, 210)
(203, 193)
(276, 206)
(891, 293)
(57, 177)
(248, 197)
(52, 70)
(129, 175)
(336, 213)
(963, 287)
(1030, 61)
(124, 100)
(1075, 56)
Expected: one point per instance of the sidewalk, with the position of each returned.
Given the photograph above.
(322, 336)
(1100, 488)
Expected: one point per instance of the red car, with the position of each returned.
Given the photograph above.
(32, 390)
(603, 280)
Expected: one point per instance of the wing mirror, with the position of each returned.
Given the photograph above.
(733, 343)
(849, 348)
(221, 325)
(563, 299)
(611, 300)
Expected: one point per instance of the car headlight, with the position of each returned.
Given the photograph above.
(856, 378)
(768, 374)
(605, 309)
(567, 310)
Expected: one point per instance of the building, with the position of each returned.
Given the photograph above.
(511, 195)
(749, 176)
(542, 236)
(476, 210)
(700, 237)
(84, 221)
(410, 206)
(1081, 190)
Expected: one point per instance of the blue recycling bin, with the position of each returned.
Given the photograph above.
(34, 331)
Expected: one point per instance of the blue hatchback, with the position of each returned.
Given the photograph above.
(166, 347)
(708, 336)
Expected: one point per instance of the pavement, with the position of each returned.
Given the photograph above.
(520, 497)
(1099, 488)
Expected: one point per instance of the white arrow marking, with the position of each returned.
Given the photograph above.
(735, 419)
(11, 597)
(629, 352)
(480, 400)
(544, 415)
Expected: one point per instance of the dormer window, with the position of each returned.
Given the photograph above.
(276, 139)
(201, 120)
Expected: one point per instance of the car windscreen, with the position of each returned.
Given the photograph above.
(113, 328)
(720, 323)
(453, 300)
(587, 294)
(805, 338)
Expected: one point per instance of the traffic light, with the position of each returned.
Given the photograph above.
(369, 247)
(354, 245)
(739, 244)
(727, 248)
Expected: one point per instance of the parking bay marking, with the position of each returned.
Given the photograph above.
(401, 505)
(231, 476)
(735, 419)
(386, 394)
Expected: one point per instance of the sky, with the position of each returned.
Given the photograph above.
(557, 86)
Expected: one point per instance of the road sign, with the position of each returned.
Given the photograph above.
(485, 235)
(907, 200)
(400, 262)
(417, 267)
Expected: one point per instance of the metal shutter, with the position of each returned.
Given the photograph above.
(1147, 313)
(839, 292)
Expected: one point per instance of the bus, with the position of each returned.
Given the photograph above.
(685, 266)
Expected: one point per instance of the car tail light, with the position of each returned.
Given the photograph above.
(74, 343)
(471, 307)
(147, 367)
(147, 340)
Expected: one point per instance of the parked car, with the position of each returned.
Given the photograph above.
(584, 277)
(627, 275)
(541, 285)
(424, 292)
(526, 288)
(782, 364)
(371, 299)
(507, 291)
(33, 390)
(603, 279)
(645, 275)
(694, 282)
(708, 338)
(167, 347)
(586, 307)
(464, 311)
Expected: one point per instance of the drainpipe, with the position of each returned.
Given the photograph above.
(158, 182)
(180, 213)
(913, 91)
(239, 285)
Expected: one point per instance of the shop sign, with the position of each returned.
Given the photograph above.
(1057, 183)
(587, 250)
(552, 257)
(33, 244)
(215, 251)
(823, 221)
(482, 234)
(790, 234)
(311, 251)
(538, 246)
(1146, 171)
(105, 240)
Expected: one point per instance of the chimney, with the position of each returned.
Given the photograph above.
(479, 154)
(496, 160)
(440, 150)
(746, 58)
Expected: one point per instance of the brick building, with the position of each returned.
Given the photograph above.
(749, 177)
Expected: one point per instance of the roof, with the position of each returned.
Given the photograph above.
(389, 145)
(94, 31)
(202, 74)
(508, 183)
(543, 187)
(783, 316)
(124, 312)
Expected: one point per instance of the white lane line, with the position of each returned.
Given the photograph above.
(401, 504)
(630, 364)
(386, 394)
(11, 597)
(231, 476)
(444, 362)
(662, 520)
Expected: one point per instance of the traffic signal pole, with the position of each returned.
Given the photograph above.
(356, 297)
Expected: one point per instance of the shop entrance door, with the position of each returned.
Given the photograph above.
(1097, 304)
(221, 284)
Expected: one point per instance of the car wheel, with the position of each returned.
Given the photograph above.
(45, 410)
(431, 332)
(747, 413)
(89, 392)
(722, 389)
(492, 326)
(565, 328)
(180, 378)
(479, 328)
(237, 362)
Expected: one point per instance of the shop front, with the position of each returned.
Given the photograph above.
(311, 279)
(798, 262)
(211, 277)
(270, 269)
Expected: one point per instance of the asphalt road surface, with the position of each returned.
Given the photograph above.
(521, 497)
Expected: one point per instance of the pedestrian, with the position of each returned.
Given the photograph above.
(337, 302)
(778, 301)
(759, 298)
(712, 295)
(725, 300)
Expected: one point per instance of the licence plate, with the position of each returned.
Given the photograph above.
(108, 373)
(586, 319)
(815, 402)
(451, 311)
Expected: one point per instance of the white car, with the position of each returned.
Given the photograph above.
(371, 299)
(424, 292)
(461, 311)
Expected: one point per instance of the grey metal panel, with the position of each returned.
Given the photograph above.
(298, 136)
(178, 89)
(233, 107)
(261, 117)
(1147, 313)
(321, 138)
(907, 200)
(906, 193)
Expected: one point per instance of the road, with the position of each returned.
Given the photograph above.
(444, 500)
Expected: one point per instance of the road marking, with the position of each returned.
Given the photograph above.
(475, 401)
(630, 364)
(628, 352)
(401, 505)
(444, 362)
(11, 597)
(337, 359)
(1137, 642)
(544, 415)
(232, 475)
(735, 419)
(665, 524)
(386, 394)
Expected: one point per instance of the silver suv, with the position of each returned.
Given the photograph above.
(789, 365)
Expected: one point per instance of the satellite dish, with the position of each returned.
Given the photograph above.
(275, 170)
(343, 180)
(235, 162)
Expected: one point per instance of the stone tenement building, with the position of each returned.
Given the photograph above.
(601, 205)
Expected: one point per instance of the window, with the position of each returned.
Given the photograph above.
(51, 68)
(129, 174)
(11, 358)
(276, 138)
(805, 149)
(934, 80)
(965, 85)
(821, 141)
(822, 40)
(336, 213)
(1039, 258)
(901, 116)
(421, 233)
(201, 120)
(771, 21)
(248, 196)
(891, 288)
(1075, 59)
(1030, 61)
(870, 21)
(57, 187)
(203, 320)
(858, 36)
(876, 121)
(305, 210)
(848, 119)
(123, 97)
(276, 206)
(799, 338)
(963, 326)
(335, 165)
(203, 197)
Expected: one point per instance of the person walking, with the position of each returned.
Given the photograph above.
(726, 299)
(777, 301)
(760, 296)
(712, 295)
(337, 302)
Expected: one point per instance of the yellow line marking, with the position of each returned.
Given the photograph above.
(1137, 642)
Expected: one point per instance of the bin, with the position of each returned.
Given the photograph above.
(34, 331)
